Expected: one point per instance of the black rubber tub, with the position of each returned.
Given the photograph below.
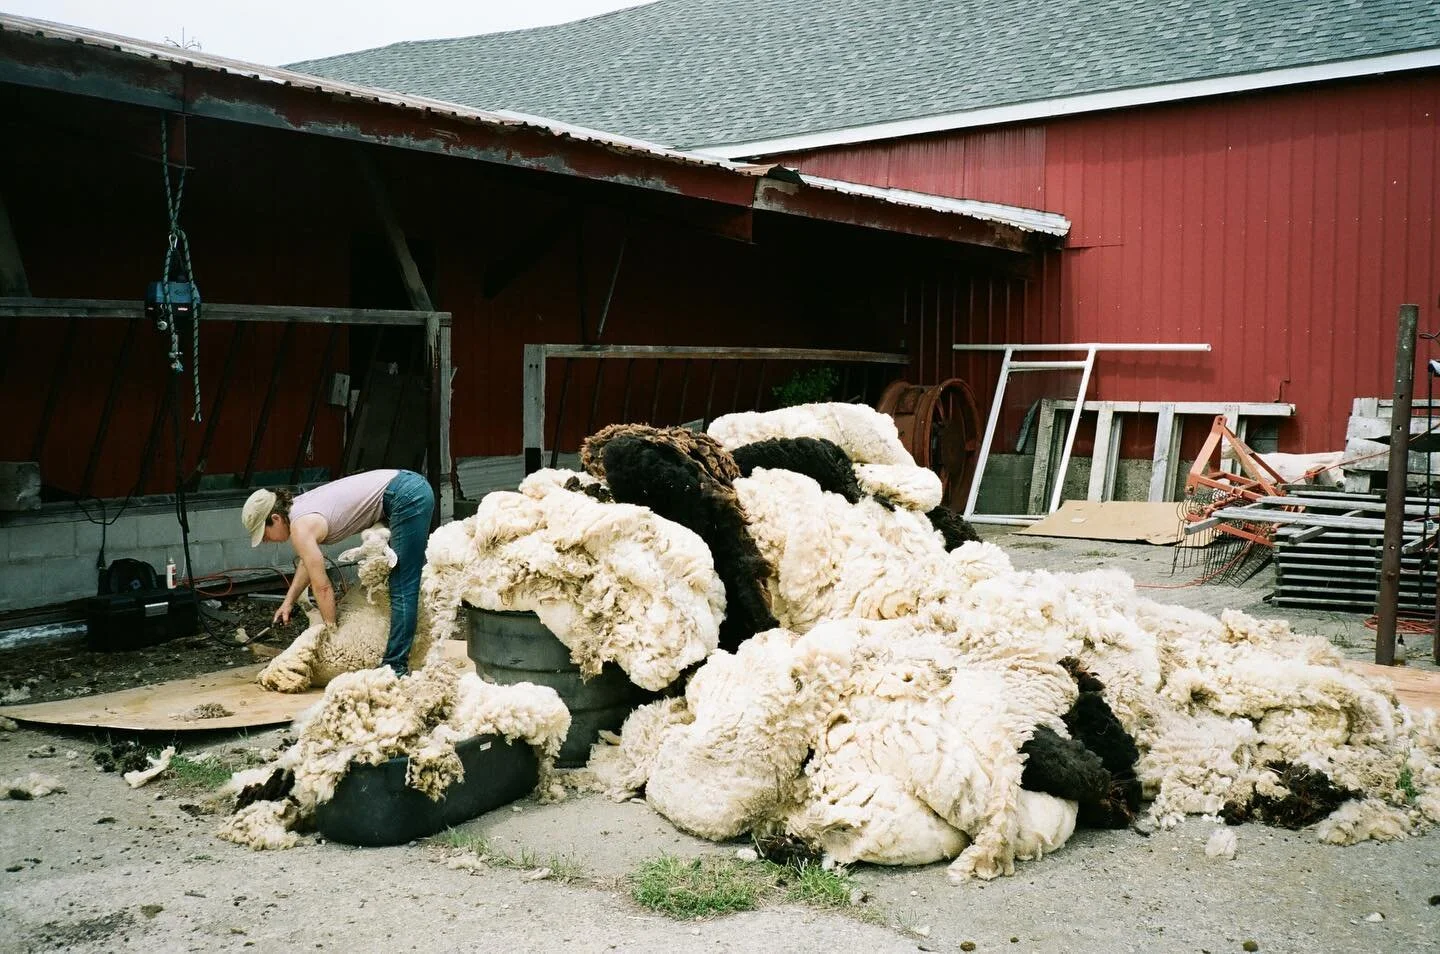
(511, 647)
(373, 805)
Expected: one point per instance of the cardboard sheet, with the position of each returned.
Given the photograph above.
(1124, 521)
(1416, 688)
(229, 699)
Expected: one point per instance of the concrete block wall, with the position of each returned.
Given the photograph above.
(50, 558)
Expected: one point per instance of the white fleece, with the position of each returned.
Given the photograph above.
(321, 653)
(614, 582)
(370, 716)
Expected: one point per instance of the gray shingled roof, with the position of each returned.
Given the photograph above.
(691, 73)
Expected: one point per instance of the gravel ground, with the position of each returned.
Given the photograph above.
(101, 867)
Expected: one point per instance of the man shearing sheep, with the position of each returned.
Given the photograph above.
(332, 512)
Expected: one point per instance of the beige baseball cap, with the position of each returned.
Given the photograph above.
(256, 512)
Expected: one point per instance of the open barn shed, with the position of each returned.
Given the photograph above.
(379, 275)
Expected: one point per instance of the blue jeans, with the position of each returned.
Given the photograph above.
(409, 504)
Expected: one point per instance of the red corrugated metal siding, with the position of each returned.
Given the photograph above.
(1285, 228)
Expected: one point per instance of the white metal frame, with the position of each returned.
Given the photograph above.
(1008, 366)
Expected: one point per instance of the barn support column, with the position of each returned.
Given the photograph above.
(437, 348)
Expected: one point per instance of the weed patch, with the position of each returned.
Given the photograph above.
(706, 887)
(699, 888)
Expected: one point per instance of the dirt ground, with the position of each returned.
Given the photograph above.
(101, 867)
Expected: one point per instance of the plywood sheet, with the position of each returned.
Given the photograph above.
(229, 699)
(1416, 688)
(1125, 521)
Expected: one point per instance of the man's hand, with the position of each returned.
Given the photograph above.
(282, 615)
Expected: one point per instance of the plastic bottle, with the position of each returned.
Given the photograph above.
(169, 573)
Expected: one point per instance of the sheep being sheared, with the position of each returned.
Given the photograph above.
(650, 468)
(612, 581)
(321, 653)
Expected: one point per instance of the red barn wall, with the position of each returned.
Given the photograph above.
(272, 216)
(1285, 228)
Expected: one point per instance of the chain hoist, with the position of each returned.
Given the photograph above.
(176, 296)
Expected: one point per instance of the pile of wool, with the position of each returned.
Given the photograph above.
(882, 465)
(613, 581)
(688, 478)
(371, 716)
(897, 716)
(362, 629)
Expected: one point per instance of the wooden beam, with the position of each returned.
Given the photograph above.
(1044, 448)
(213, 311)
(437, 451)
(1167, 445)
(12, 267)
(719, 353)
(526, 252)
(1106, 457)
(399, 246)
(1208, 408)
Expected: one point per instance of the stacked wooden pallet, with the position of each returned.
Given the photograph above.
(1367, 444)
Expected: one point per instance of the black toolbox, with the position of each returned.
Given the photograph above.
(138, 618)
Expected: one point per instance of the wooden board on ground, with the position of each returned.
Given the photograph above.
(1125, 521)
(1416, 688)
(229, 699)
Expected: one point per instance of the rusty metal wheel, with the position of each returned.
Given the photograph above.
(940, 426)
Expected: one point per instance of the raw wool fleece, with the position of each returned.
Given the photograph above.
(614, 582)
(863, 433)
(886, 723)
(320, 653)
(687, 478)
(370, 716)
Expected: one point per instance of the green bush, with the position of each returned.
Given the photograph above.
(807, 387)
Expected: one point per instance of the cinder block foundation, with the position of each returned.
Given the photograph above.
(51, 557)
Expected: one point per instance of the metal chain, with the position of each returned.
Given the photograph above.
(178, 239)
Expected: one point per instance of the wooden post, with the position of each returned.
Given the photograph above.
(1044, 447)
(532, 393)
(1388, 601)
(437, 441)
(1167, 446)
(437, 448)
(1106, 458)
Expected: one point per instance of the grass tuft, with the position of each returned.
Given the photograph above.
(701, 887)
(1406, 784)
(811, 884)
(709, 886)
(206, 776)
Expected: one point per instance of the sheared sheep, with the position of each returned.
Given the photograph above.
(321, 652)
